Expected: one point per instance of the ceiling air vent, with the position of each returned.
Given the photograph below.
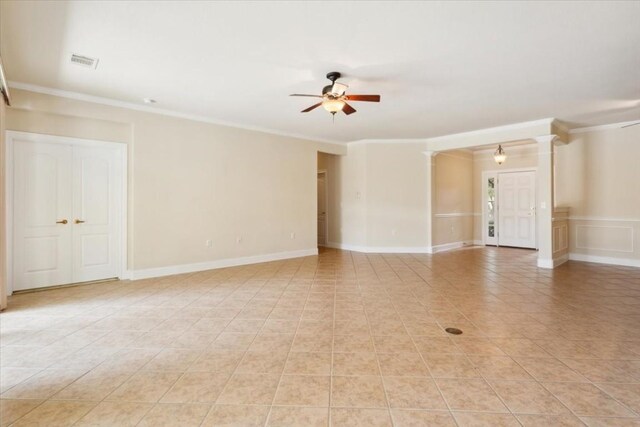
(84, 61)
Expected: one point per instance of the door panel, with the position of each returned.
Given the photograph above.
(42, 196)
(96, 201)
(516, 209)
(55, 181)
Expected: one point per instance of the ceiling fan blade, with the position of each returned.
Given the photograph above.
(629, 125)
(348, 109)
(368, 98)
(338, 89)
(313, 107)
(301, 94)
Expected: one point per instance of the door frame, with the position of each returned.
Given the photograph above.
(496, 172)
(326, 203)
(10, 136)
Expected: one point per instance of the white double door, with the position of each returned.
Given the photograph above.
(516, 209)
(67, 202)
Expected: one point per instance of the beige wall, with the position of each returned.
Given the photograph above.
(192, 181)
(350, 226)
(453, 210)
(3, 242)
(518, 157)
(382, 197)
(597, 176)
(396, 195)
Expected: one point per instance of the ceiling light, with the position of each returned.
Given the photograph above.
(499, 156)
(333, 105)
(149, 101)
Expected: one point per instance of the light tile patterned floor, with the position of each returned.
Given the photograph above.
(342, 339)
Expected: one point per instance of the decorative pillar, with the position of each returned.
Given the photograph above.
(431, 195)
(545, 200)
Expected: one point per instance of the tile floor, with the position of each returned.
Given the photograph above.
(341, 339)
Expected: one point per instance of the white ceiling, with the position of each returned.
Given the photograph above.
(441, 68)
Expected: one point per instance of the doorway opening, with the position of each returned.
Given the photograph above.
(323, 201)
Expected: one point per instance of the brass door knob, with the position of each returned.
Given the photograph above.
(78, 221)
(63, 221)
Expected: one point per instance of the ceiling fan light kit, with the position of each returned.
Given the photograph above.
(334, 97)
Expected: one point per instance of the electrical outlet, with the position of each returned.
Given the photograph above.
(239, 239)
(394, 232)
(208, 243)
(293, 234)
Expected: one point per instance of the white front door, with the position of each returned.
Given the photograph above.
(322, 209)
(66, 213)
(516, 209)
(41, 215)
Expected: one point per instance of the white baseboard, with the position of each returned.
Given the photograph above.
(381, 249)
(478, 243)
(545, 263)
(628, 262)
(560, 260)
(451, 246)
(221, 263)
(400, 249)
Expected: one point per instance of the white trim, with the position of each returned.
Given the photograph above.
(165, 112)
(545, 263)
(381, 249)
(449, 154)
(400, 249)
(629, 262)
(31, 136)
(478, 243)
(557, 123)
(600, 218)
(560, 260)
(484, 131)
(450, 246)
(221, 263)
(601, 127)
(456, 214)
(517, 146)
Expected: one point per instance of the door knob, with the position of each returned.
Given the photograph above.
(78, 221)
(64, 221)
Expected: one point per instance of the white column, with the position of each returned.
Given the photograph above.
(545, 200)
(431, 194)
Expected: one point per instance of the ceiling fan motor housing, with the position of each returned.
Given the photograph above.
(333, 76)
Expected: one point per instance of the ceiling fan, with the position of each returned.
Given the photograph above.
(335, 99)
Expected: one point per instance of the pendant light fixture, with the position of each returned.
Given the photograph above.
(499, 156)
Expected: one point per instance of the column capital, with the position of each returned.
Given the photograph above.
(545, 139)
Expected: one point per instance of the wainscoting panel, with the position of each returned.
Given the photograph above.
(604, 238)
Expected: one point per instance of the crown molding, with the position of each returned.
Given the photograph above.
(161, 111)
(557, 123)
(485, 131)
(506, 146)
(601, 127)
(514, 126)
